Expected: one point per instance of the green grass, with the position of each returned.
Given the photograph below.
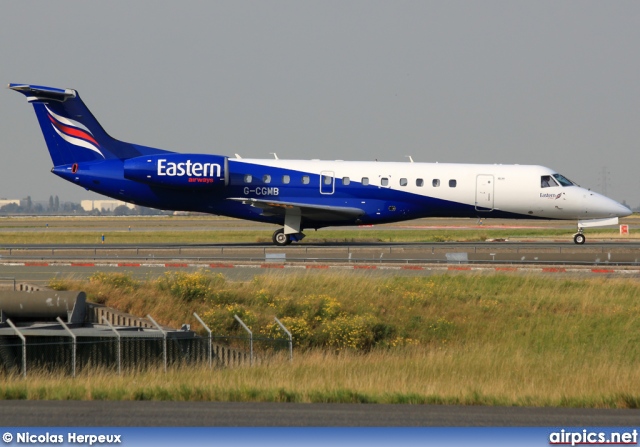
(202, 229)
(427, 235)
(134, 237)
(497, 339)
(259, 236)
(473, 376)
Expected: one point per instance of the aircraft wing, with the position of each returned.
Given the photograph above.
(307, 211)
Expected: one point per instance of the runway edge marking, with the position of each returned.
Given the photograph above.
(328, 267)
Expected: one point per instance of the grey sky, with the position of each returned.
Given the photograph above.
(530, 82)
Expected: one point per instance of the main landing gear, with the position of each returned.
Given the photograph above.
(281, 239)
(292, 231)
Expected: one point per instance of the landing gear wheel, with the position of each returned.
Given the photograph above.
(281, 239)
(579, 238)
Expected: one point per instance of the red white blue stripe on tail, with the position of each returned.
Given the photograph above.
(73, 132)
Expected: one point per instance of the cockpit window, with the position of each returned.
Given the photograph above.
(563, 180)
(546, 181)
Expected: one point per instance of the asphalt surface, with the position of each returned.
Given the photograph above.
(238, 414)
(37, 264)
(561, 252)
(98, 413)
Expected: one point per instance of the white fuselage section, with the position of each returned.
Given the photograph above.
(515, 189)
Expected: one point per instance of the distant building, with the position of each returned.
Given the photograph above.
(107, 205)
(4, 202)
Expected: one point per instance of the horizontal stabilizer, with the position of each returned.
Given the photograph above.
(39, 92)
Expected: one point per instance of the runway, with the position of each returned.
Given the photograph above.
(260, 414)
(38, 264)
(616, 253)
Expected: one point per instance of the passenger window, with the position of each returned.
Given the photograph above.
(248, 178)
(305, 179)
(452, 183)
(419, 182)
(286, 179)
(266, 178)
(435, 182)
(327, 179)
(365, 181)
(384, 181)
(345, 181)
(546, 181)
(403, 182)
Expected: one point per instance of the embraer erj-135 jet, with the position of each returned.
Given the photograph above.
(302, 194)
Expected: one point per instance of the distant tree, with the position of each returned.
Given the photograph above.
(144, 211)
(75, 208)
(122, 210)
(38, 208)
(51, 205)
(28, 204)
(56, 204)
(11, 208)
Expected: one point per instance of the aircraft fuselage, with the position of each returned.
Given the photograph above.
(299, 194)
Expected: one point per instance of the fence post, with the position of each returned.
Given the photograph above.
(24, 348)
(119, 348)
(250, 338)
(209, 331)
(290, 338)
(164, 341)
(10, 278)
(73, 336)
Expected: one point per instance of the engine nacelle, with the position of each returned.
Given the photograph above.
(179, 170)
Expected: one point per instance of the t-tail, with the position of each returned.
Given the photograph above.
(71, 132)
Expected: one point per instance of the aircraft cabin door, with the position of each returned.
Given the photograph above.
(327, 182)
(484, 193)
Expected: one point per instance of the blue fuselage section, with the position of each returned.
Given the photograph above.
(257, 181)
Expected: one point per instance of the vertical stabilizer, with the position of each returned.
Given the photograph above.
(71, 132)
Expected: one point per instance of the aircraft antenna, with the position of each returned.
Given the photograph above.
(274, 155)
(410, 158)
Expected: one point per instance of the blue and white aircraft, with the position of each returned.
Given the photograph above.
(302, 194)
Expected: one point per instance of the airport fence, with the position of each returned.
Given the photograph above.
(131, 353)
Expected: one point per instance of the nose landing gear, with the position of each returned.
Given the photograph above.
(579, 237)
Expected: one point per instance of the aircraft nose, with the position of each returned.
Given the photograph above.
(607, 207)
(623, 210)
